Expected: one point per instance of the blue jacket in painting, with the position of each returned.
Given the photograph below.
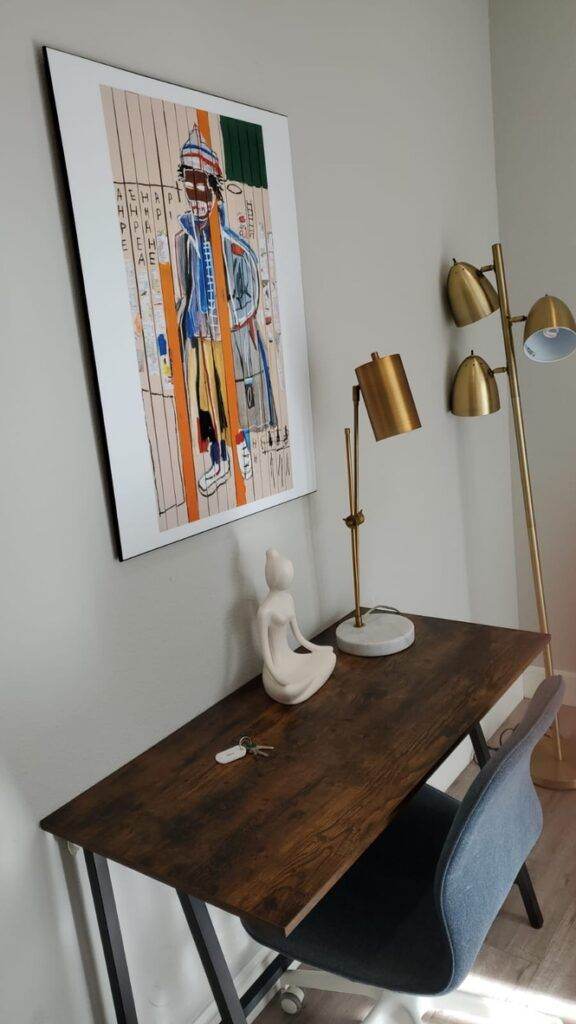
(198, 310)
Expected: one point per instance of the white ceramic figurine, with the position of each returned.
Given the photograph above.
(288, 677)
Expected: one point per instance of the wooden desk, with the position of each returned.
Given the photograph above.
(265, 839)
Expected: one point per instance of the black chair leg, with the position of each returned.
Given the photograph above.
(529, 897)
(523, 880)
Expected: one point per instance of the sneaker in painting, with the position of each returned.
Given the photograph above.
(214, 477)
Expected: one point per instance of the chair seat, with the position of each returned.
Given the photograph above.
(379, 924)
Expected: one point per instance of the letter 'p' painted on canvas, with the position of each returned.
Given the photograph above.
(185, 217)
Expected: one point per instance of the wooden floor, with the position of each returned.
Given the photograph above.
(535, 968)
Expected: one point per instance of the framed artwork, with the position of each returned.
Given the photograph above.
(185, 219)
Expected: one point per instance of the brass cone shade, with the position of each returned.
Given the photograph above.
(387, 396)
(470, 294)
(474, 391)
(550, 331)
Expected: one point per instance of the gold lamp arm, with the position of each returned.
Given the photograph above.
(507, 321)
(356, 517)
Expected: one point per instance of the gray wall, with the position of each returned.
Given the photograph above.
(102, 658)
(534, 69)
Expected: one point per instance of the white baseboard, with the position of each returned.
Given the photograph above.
(534, 675)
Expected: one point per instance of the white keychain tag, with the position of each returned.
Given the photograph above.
(231, 754)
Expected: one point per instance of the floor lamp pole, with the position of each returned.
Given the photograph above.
(512, 373)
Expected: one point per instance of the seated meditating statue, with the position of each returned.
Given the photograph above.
(288, 677)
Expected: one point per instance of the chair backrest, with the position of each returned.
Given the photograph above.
(495, 828)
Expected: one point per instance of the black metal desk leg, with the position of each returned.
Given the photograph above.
(523, 880)
(111, 936)
(481, 748)
(212, 957)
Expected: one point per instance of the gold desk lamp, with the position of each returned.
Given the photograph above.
(549, 335)
(391, 410)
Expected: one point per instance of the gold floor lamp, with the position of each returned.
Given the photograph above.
(549, 335)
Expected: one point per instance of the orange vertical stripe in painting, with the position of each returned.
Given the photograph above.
(180, 399)
(225, 330)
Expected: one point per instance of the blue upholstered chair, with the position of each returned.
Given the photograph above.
(411, 914)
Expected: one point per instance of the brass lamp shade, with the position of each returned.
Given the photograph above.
(550, 331)
(387, 396)
(470, 294)
(474, 391)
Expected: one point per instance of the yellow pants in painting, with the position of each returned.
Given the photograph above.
(205, 367)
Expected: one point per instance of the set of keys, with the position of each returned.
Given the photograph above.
(244, 746)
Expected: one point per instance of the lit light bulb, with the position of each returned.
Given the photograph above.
(551, 332)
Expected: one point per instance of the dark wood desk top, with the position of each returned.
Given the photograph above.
(266, 838)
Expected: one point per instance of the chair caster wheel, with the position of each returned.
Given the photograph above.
(292, 999)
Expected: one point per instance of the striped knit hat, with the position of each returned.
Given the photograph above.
(197, 155)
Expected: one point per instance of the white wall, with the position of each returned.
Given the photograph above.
(534, 69)
(102, 658)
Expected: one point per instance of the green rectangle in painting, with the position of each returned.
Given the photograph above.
(244, 152)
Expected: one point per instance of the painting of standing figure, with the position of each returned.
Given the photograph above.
(213, 235)
(218, 361)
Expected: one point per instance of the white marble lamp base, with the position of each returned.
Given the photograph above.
(382, 633)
